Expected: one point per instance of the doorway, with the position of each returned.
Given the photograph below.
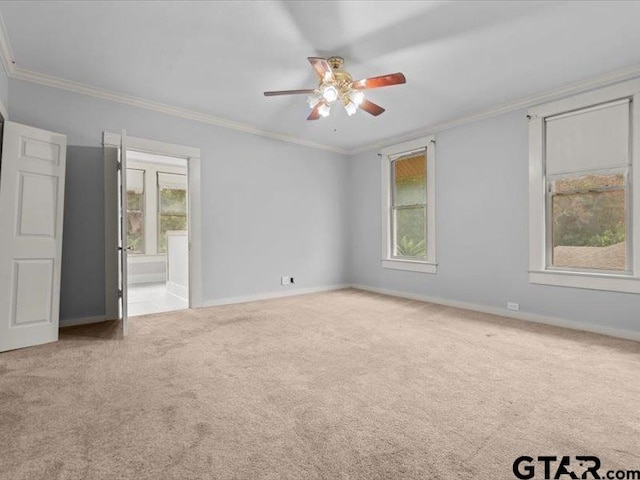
(164, 203)
(157, 232)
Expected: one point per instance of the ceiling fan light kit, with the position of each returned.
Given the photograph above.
(335, 84)
(324, 110)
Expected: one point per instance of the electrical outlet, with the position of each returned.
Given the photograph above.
(513, 306)
(286, 280)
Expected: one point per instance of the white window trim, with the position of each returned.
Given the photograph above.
(388, 154)
(538, 271)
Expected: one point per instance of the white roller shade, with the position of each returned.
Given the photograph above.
(173, 181)
(588, 139)
(135, 180)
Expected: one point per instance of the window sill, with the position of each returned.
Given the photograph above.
(591, 281)
(410, 265)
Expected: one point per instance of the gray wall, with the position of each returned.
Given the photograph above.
(482, 189)
(82, 282)
(4, 87)
(272, 208)
(269, 208)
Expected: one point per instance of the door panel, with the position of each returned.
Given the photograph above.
(31, 215)
(123, 233)
(33, 292)
(39, 150)
(37, 199)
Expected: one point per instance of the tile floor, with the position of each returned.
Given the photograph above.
(145, 298)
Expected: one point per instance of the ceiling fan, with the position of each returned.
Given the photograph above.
(335, 84)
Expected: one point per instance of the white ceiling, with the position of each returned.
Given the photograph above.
(218, 57)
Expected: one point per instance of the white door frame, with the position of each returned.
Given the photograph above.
(192, 155)
(123, 285)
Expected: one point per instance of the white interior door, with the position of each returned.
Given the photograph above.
(122, 242)
(32, 179)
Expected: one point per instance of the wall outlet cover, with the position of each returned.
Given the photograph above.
(513, 306)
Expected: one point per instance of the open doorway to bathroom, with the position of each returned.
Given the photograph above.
(157, 233)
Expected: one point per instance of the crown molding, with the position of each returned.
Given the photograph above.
(26, 75)
(5, 49)
(104, 94)
(7, 57)
(518, 104)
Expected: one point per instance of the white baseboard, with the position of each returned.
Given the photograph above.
(70, 322)
(266, 296)
(146, 278)
(178, 290)
(503, 312)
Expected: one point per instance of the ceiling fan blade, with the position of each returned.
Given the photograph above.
(315, 114)
(381, 81)
(322, 67)
(371, 108)
(288, 92)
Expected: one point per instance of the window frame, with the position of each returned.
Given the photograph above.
(540, 269)
(388, 156)
(394, 207)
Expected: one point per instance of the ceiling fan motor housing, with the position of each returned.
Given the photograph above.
(343, 80)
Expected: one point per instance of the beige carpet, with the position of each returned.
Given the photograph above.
(339, 385)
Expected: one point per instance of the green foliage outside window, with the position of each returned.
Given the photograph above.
(589, 211)
(172, 214)
(410, 232)
(135, 223)
(405, 247)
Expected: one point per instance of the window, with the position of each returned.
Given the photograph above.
(135, 211)
(583, 207)
(409, 206)
(172, 206)
(588, 216)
